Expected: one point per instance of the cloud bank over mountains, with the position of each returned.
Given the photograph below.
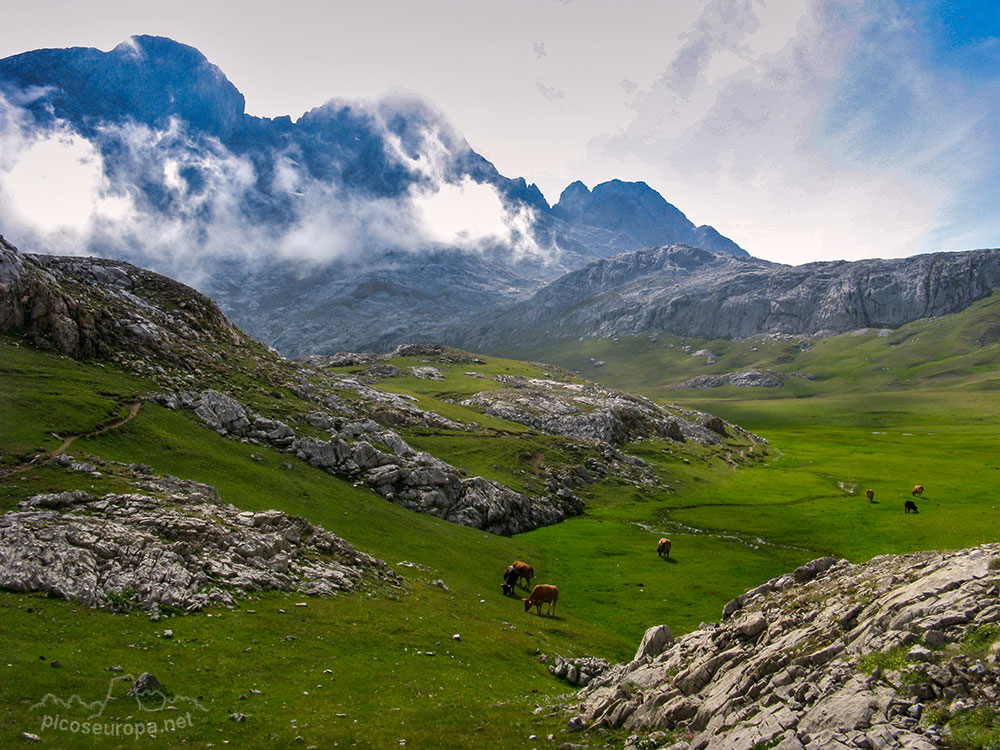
(349, 181)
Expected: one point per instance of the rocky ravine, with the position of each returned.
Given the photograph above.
(791, 665)
(171, 543)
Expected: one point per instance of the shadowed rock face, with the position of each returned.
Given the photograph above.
(89, 307)
(784, 663)
(692, 292)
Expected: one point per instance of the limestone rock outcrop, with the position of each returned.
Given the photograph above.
(832, 655)
(90, 307)
(171, 543)
(416, 480)
(689, 291)
(587, 411)
(741, 379)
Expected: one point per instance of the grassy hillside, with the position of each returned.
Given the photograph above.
(476, 692)
(885, 412)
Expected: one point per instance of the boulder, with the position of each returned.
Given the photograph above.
(654, 641)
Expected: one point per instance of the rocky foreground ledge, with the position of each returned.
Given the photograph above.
(886, 654)
(172, 544)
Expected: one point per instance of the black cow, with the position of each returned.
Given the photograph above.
(510, 577)
(910, 507)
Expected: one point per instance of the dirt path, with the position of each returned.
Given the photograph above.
(133, 410)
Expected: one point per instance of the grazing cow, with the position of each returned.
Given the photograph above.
(524, 571)
(910, 507)
(663, 548)
(542, 594)
(917, 491)
(870, 494)
(509, 580)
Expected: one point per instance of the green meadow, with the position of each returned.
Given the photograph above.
(380, 668)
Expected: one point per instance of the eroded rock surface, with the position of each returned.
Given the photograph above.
(414, 479)
(742, 379)
(171, 542)
(587, 411)
(784, 668)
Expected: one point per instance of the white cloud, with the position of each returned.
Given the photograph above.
(176, 202)
(807, 131)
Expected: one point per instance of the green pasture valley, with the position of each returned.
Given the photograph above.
(447, 660)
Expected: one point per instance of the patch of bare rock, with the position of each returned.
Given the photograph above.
(589, 412)
(790, 665)
(742, 379)
(171, 543)
(368, 452)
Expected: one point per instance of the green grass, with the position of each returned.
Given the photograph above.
(917, 406)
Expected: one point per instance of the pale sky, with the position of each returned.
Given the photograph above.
(802, 129)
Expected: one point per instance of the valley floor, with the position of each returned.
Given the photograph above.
(384, 669)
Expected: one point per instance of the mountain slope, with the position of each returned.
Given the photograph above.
(738, 512)
(245, 207)
(692, 292)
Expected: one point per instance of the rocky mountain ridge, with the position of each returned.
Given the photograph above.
(693, 292)
(891, 653)
(326, 212)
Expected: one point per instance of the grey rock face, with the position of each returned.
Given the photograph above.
(587, 411)
(172, 543)
(579, 671)
(692, 292)
(222, 413)
(783, 666)
(741, 379)
(88, 307)
(415, 480)
(653, 642)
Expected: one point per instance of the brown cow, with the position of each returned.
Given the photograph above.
(663, 548)
(542, 594)
(524, 571)
(870, 494)
(917, 491)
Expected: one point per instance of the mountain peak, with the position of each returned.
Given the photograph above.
(631, 215)
(145, 78)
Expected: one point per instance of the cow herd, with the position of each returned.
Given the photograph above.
(541, 594)
(544, 593)
(909, 506)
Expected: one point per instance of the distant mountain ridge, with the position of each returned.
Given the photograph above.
(692, 292)
(312, 235)
(246, 208)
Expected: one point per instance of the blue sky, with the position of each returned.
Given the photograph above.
(803, 129)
